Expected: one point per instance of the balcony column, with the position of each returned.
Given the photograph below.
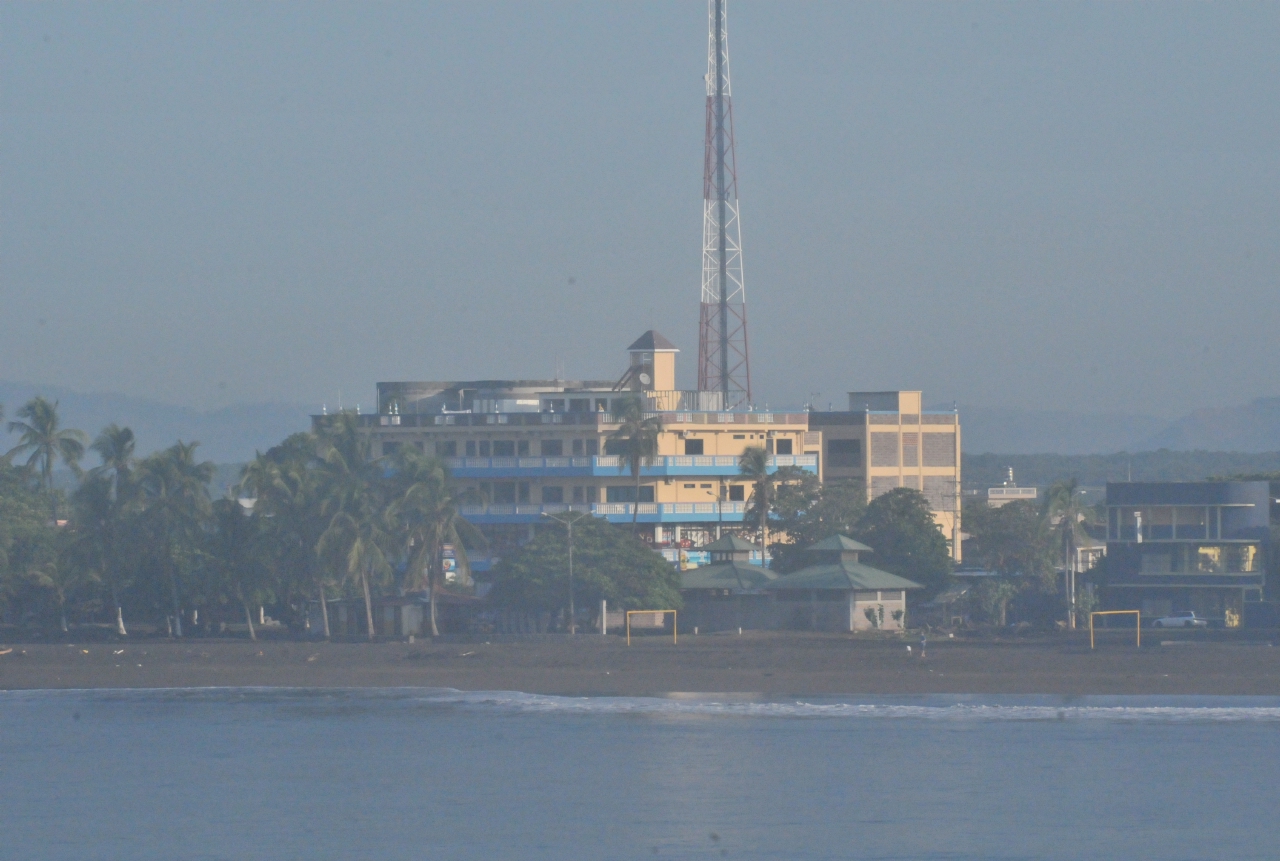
(677, 533)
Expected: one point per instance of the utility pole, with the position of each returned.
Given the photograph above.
(723, 364)
(568, 520)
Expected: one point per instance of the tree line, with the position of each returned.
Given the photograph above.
(142, 538)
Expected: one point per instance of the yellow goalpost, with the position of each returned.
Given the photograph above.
(656, 620)
(1135, 613)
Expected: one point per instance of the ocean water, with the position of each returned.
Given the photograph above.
(440, 774)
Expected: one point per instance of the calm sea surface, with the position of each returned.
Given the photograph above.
(363, 774)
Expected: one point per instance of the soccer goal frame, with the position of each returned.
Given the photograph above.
(1137, 614)
(675, 622)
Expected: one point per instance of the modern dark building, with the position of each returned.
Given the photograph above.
(1186, 546)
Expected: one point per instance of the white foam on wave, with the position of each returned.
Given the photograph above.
(954, 708)
(515, 702)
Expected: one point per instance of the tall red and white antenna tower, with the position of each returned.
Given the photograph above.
(723, 365)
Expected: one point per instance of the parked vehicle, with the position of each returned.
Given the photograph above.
(1180, 619)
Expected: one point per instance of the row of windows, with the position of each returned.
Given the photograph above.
(515, 448)
(773, 446)
(939, 449)
(519, 493)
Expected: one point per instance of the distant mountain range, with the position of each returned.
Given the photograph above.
(232, 434)
(1251, 427)
(227, 435)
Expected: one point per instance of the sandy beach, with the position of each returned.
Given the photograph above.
(776, 664)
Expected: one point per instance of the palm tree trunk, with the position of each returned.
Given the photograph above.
(434, 590)
(368, 603)
(324, 611)
(635, 506)
(248, 617)
(115, 600)
(177, 612)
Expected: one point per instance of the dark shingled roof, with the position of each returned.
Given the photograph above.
(840, 542)
(729, 544)
(737, 576)
(842, 576)
(650, 341)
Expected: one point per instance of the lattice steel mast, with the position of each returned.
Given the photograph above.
(723, 365)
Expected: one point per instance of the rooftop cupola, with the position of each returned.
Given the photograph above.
(730, 548)
(653, 363)
(836, 549)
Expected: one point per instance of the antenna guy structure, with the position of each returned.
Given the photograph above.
(723, 364)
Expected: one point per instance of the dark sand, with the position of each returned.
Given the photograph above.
(778, 664)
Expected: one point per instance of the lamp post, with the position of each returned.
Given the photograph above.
(568, 520)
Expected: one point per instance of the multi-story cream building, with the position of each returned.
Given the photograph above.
(527, 448)
(886, 440)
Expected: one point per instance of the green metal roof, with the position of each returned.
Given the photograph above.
(840, 542)
(726, 575)
(729, 544)
(842, 576)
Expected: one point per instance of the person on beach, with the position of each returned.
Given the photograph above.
(923, 642)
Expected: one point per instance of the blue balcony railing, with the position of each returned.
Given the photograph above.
(615, 512)
(612, 465)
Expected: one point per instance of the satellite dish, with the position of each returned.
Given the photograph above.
(645, 379)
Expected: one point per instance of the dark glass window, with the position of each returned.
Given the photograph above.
(552, 448)
(844, 452)
(737, 493)
(503, 448)
(783, 446)
(471, 448)
(693, 446)
(447, 449)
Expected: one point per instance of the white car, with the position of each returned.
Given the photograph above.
(1180, 619)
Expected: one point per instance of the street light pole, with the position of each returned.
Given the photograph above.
(568, 521)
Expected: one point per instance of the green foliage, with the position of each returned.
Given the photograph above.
(635, 441)
(805, 512)
(906, 540)
(1092, 470)
(608, 563)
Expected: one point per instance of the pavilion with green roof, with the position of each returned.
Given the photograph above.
(728, 593)
(837, 591)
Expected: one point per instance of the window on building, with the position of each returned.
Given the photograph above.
(504, 493)
(486, 493)
(739, 436)
(938, 449)
(884, 449)
(593, 447)
(504, 448)
(389, 448)
(522, 448)
(614, 447)
(471, 448)
(522, 491)
(705, 486)
(552, 448)
(627, 493)
(844, 452)
(577, 447)
(693, 446)
(446, 448)
(485, 448)
(580, 405)
(553, 405)
(602, 405)
(552, 495)
(783, 446)
(579, 495)
(911, 449)
(737, 493)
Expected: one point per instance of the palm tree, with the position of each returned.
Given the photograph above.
(115, 445)
(44, 442)
(236, 556)
(61, 580)
(288, 488)
(754, 466)
(353, 504)
(1064, 514)
(635, 441)
(424, 513)
(176, 508)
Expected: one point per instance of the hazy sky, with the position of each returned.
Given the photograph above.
(1028, 205)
